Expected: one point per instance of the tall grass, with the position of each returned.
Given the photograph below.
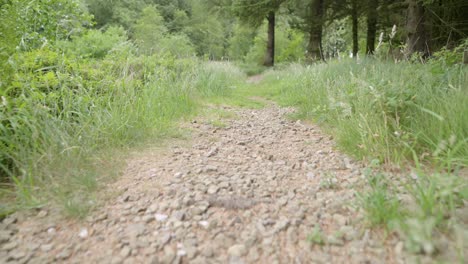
(219, 79)
(62, 118)
(383, 110)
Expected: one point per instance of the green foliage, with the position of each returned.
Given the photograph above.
(289, 45)
(448, 57)
(26, 25)
(334, 42)
(35, 23)
(316, 237)
(205, 31)
(387, 110)
(254, 12)
(152, 36)
(64, 108)
(380, 203)
(149, 29)
(219, 79)
(240, 42)
(438, 195)
(95, 43)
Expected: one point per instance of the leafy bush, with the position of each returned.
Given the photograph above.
(95, 43)
(449, 57)
(152, 36)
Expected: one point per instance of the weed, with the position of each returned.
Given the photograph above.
(218, 123)
(316, 237)
(382, 207)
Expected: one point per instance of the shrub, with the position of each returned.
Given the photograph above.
(94, 43)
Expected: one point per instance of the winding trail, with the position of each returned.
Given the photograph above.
(256, 191)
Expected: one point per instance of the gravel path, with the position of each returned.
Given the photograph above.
(256, 191)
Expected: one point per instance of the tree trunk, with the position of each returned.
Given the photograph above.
(354, 17)
(314, 49)
(270, 52)
(371, 26)
(416, 39)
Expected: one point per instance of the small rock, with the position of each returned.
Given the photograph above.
(179, 215)
(212, 152)
(212, 189)
(181, 252)
(47, 247)
(339, 219)
(165, 239)
(83, 233)
(125, 252)
(210, 168)
(310, 175)
(42, 214)
(148, 218)
(283, 201)
(191, 252)
(281, 225)
(152, 209)
(207, 251)
(10, 220)
(101, 217)
(169, 255)
(348, 233)
(17, 254)
(65, 254)
(9, 246)
(204, 224)
(253, 255)
(125, 198)
(51, 231)
(135, 230)
(161, 217)
(197, 210)
(333, 240)
(238, 250)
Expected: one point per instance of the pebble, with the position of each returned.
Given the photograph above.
(148, 218)
(47, 247)
(238, 250)
(83, 233)
(9, 246)
(160, 217)
(5, 236)
(65, 254)
(125, 252)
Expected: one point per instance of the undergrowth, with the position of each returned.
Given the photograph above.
(382, 110)
(66, 118)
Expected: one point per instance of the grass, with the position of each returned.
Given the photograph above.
(316, 237)
(61, 143)
(380, 203)
(380, 110)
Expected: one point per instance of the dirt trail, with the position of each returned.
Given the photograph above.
(251, 192)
